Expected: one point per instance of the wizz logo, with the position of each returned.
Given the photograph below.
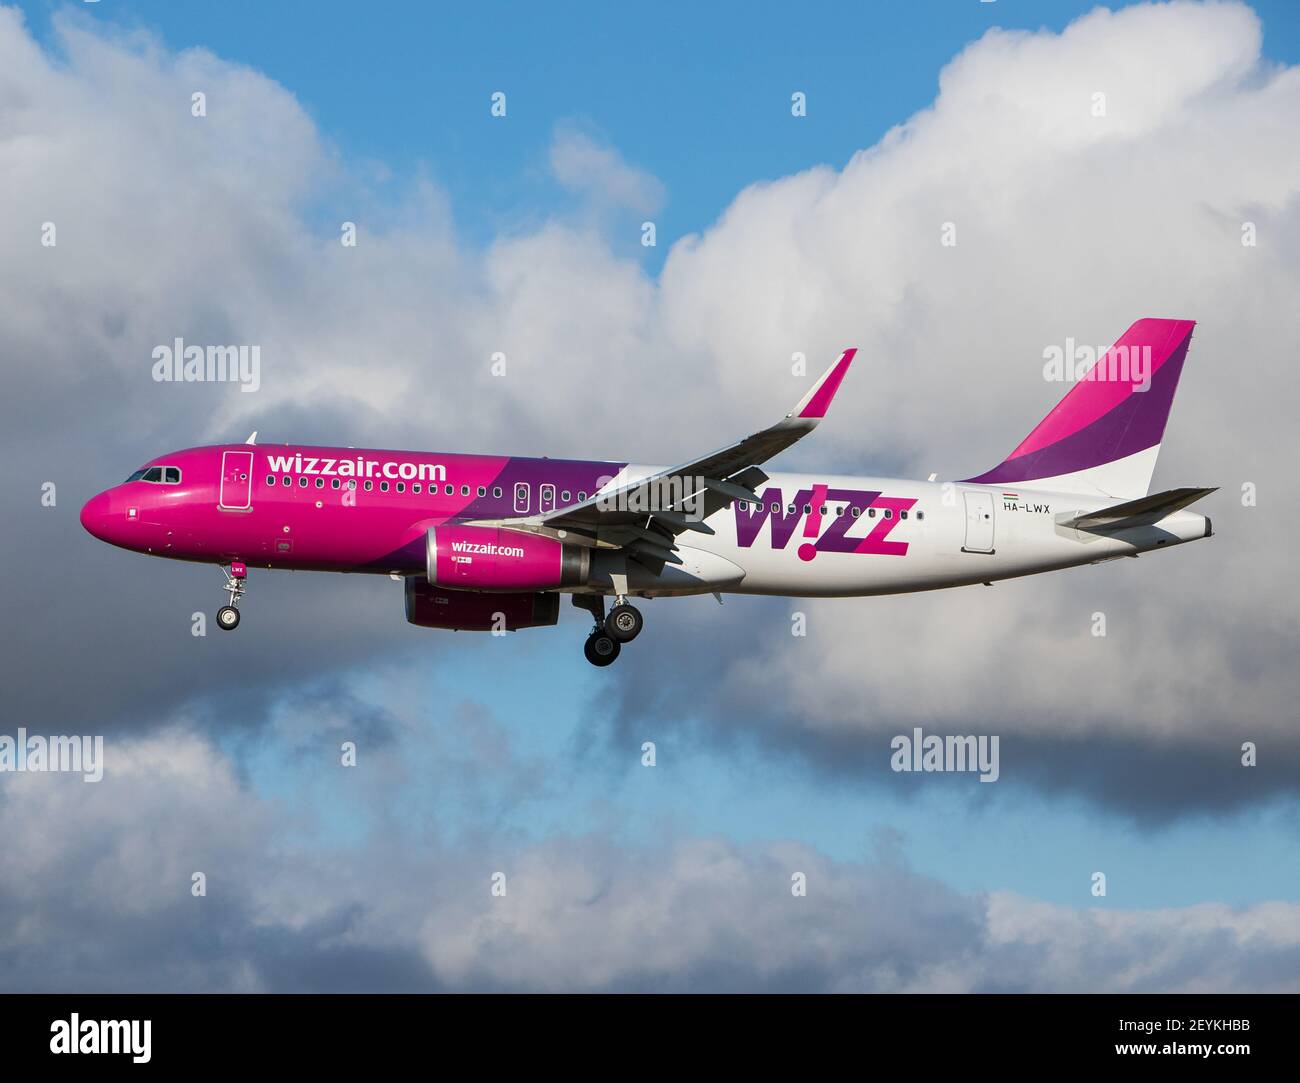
(784, 519)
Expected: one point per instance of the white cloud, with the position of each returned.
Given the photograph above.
(582, 164)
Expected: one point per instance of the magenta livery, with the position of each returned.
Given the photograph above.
(489, 543)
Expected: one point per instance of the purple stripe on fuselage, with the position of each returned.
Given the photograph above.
(572, 476)
(1134, 425)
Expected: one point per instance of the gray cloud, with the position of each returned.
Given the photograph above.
(96, 895)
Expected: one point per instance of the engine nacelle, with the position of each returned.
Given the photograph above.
(437, 607)
(491, 559)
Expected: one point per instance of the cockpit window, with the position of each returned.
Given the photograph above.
(163, 475)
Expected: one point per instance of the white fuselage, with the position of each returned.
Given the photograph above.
(886, 536)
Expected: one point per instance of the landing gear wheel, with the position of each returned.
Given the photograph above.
(601, 648)
(624, 622)
(228, 615)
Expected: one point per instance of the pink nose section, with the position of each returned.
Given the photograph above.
(94, 516)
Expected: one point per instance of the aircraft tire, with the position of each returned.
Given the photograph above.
(624, 623)
(601, 648)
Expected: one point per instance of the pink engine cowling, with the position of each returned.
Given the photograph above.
(458, 610)
(491, 559)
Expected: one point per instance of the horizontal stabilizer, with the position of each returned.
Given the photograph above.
(1147, 509)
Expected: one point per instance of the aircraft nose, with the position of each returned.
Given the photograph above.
(95, 516)
(99, 520)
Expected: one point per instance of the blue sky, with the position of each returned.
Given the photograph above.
(698, 94)
(978, 837)
(519, 740)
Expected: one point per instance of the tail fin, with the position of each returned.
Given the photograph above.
(1104, 436)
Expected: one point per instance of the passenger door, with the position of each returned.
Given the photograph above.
(979, 523)
(236, 493)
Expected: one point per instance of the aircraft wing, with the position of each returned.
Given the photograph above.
(732, 473)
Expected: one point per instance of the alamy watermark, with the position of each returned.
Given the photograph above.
(1075, 362)
(113, 1036)
(677, 494)
(930, 752)
(182, 364)
(38, 754)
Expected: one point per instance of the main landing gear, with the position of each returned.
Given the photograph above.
(606, 640)
(228, 615)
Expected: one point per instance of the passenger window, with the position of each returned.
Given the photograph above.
(582, 498)
(743, 505)
(336, 484)
(401, 487)
(320, 483)
(464, 490)
(383, 486)
(871, 513)
(496, 490)
(807, 509)
(352, 483)
(286, 480)
(415, 488)
(270, 479)
(855, 512)
(302, 483)
(482, 490)
(450, 490)
(920, 515)
(902, 515)
(889, 514)
(776, 508)
(368, 486)
(823, 509)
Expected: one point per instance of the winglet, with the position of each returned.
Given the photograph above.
(813, 406)
(252, 439)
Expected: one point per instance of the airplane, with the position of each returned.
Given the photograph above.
(490, 542)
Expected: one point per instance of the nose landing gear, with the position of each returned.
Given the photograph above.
(606, 640)
(228, 615)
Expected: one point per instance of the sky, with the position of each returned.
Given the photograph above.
(522, 235)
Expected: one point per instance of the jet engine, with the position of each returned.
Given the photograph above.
(492, 559)
(464, 611)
